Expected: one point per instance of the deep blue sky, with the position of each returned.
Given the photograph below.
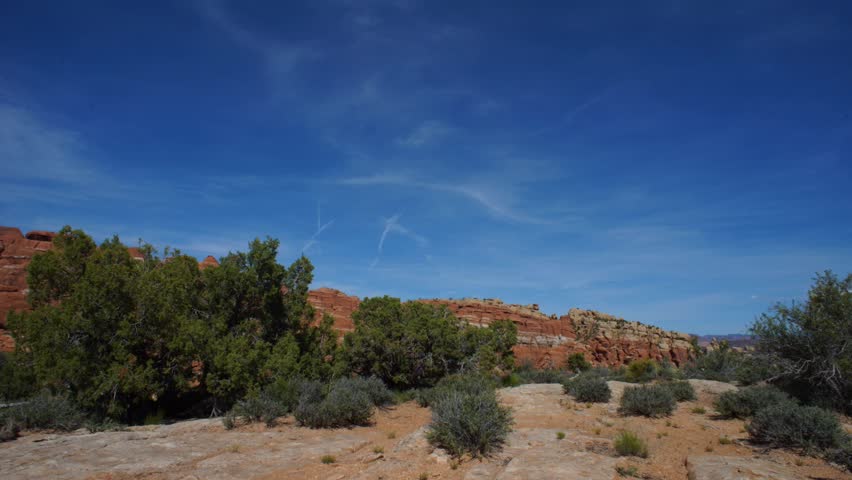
(685, 164)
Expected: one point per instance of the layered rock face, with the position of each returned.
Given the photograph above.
(547, 340)
(335, 303)
(16, 250)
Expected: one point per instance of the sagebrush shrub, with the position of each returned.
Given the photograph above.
(588, 388)
(469, 423)
(262, 408)
(341, 407)
(44, 412)
(794, 426)
(467, 383)
(746, 402)
(628, 444)
(541, 376)
(640, 371)
(841, 455)
(9, 430)
(647, 400)
(681, 390)
(375, 389)
(576, 362)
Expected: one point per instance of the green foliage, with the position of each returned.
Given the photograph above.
(375, 389)
(628, 444)
(647, 400)
(588, 388)
(469, 421)
(468, 383)
(744, 403)
(44, 412)
(811, 342)
(576, 362)
(527, 373)
(793, 426)
(414, 344)
(17, 379)
(9, 430)
(681, 390)
(125, 338)
(328, 459)
(261, 408)
(629, 471)
(641, 371)
(348, 402)
(724, 364)
(841, 455)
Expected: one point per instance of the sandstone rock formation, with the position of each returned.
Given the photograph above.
(335, 303)
(16, 250)
(545, 340)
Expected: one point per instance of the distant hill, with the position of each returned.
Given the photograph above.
(734, 339)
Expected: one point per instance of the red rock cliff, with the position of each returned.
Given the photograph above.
(545, 340)
(16, 250)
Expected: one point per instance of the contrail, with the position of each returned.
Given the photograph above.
(320, 228)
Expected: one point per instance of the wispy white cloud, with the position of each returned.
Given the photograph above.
(281, 59)
(482, 195)
(33, 149)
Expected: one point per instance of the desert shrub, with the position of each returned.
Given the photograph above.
(542, 376)
(469, 383)
(810, 342)
(745, 402)
(9, 430)
(373, 387)
(576, 362)
(718, 364)
(647, 400)
(641, 371)
(469, 422)
(588, 388)
(260, 408)
(628, 444)
(681, 390)
(341, 407)
(534, 375)
(511, 380)
(786, 424)
(44, 412)
(841, 455)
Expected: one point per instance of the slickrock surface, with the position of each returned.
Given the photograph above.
(713, 467)
(685, 445)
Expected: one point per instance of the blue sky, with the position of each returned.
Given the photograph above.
(685, 164)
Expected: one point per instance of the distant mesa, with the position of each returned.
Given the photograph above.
(544, 340)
